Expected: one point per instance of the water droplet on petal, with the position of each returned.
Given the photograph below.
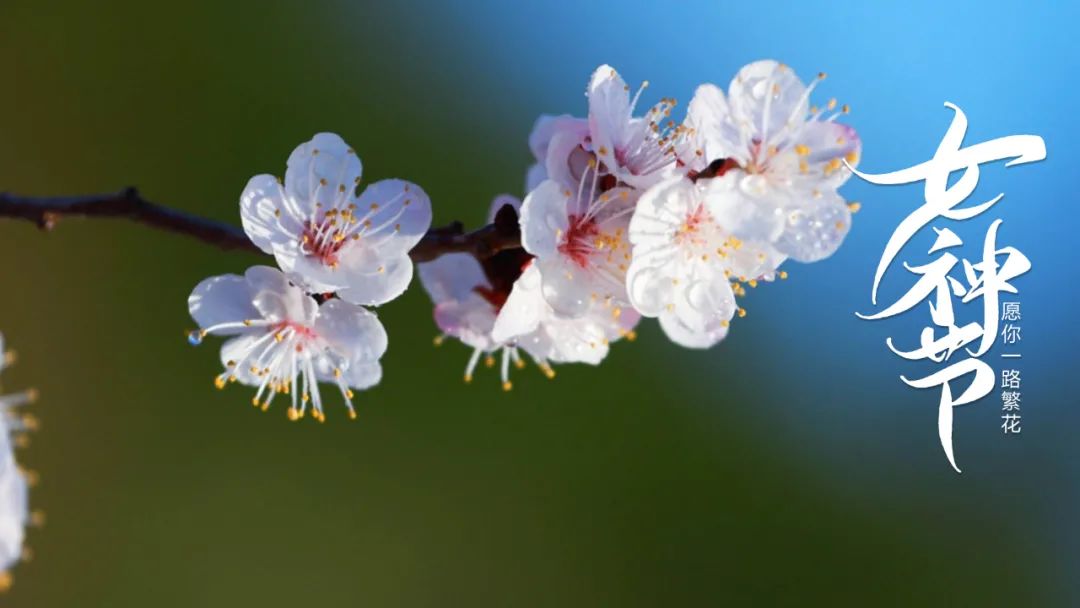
(195, 337)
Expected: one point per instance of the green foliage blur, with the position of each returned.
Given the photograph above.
(648, 481)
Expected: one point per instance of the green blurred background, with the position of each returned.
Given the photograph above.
(652, 480)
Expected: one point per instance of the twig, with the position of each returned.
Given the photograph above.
(482, 243)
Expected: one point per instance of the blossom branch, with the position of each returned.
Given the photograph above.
(46, 212)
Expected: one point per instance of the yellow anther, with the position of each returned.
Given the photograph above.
(352, 414)
(468, 378)
(783, 274)
(742, 312)
(507, 385)
(438, 340)
(802, 149)
(854, 207)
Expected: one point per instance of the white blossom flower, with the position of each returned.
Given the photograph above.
(579, 241)
(497, 308)
(632, 151)
(284, 341)
(468, 297)
(682, 264)
(786, 156)
(530, 323)
(14, 481)
(324, 236)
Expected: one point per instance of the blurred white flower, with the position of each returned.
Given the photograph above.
(14, 481)
(285, 342)
(785, 156)
(324, 236)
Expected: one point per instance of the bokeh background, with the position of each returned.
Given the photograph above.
(788, 465)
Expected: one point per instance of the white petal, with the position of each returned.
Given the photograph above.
(362, 376)
(544, 219)
(715, 133)
(816, 155)
(265, 214)
(524, 308)
(815, 227)
(14, 514)
(451, 277)
(547, 127)
(566, 287)
(649, 288)
(746, 206)
(234, 354)
(536, 175)
(609, 107)
(276, 298)
(766, 96)
(400, 215)
(379, 287)
(469, 320)
(699, 312)
(351, 330)
(326, 158)
(661, 210)
(222, 299)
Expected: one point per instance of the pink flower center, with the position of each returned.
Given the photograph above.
(579, 238)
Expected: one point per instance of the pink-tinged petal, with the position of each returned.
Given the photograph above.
(265, 214)
(351, 331)
(396, 214)
(815, 227)
(222, 299)
(536, 175)
(547, 127)
(309, 272)
(715, 134)
(469, 320)
(524, 307)
(276, 298)
(501, 201)
(324, 170)
(609, 107)
(452, 277)
(565, 286)
(766, 96)
(566, 160)
(544, 218)
(387, 282)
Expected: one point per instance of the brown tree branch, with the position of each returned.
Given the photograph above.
(482, 243)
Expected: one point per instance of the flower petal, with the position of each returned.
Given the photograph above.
(815, 228)
(544, 218)
(714, 132)
(323, 170)
(609, 107)
(767, 96)
(276, 298)
(265, 214)
(399, 213)
(380, 286)
(351, 330)
(524, 308)
(451, 277)
(566, 287)
(222, 299)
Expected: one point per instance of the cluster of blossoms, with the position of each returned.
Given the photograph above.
(305, 322)
(14, 481)
(625, 216)
(629, 216)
